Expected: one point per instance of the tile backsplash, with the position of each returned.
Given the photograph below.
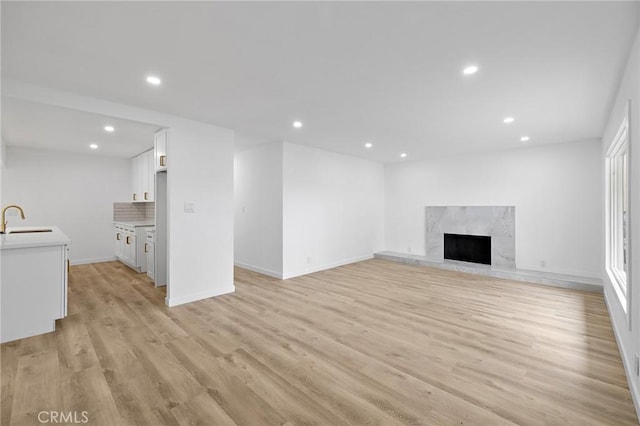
(134, 211)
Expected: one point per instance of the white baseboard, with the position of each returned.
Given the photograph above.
(626, 362)
(259, 270)
(328, 266)
(87, 261)
(590, 275)
(181, 300)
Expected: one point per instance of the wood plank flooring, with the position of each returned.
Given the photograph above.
(375, 343)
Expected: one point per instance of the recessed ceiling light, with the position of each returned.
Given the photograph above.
(403, 155)
(471, 69)
(297, 124)
(93, 146)
(509, 120)
(524, 138)
(154, 80)
(368, 145)
(109, 128)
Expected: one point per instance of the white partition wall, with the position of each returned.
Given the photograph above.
(200, 199)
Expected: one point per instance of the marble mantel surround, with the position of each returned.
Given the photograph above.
(498, 222)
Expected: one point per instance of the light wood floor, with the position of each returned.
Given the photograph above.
(370, 343)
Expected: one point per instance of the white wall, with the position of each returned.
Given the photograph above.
(628, 330)
(72, 191)
(3, 153)
(333, 209)
(258, 209)
(556, 190)
(200, 171)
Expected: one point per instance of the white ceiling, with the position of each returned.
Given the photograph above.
(388, 72)
(35, 125)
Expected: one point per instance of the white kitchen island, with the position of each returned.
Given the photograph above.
(33, 286)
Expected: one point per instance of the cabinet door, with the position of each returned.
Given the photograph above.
(149, 248)
(125, 247)
(144, 177)
(150, 176)
(160, 142)
(63, 295)
(136, 179)
(119, 241)
(129, 248)
(140, 177)
(133, 255)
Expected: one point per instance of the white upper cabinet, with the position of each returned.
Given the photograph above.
(160, 141)
(136, 179)
(143, 177)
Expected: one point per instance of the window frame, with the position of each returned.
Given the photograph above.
(617, 254)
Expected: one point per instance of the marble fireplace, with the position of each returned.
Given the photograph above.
(496, 222)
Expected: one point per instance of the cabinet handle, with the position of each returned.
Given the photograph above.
(145, 248)
(146, 195)
(118, 236)
(163, 160)
(135, 196)
(128, 240)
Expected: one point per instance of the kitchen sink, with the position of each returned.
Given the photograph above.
(28, 231)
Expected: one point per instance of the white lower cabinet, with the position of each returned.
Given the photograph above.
(130, 246)
(34, 276)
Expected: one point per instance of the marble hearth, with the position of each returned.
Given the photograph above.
(537, 277)
(498, 222)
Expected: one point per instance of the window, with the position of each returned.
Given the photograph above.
(617, 214)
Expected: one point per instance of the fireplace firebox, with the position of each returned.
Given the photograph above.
(468, 248)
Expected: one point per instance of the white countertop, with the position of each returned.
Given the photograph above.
(135, 223)
(36, 239)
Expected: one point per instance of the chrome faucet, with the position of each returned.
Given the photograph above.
(3, 226)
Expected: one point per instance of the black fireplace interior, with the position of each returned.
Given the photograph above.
(468, 248)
